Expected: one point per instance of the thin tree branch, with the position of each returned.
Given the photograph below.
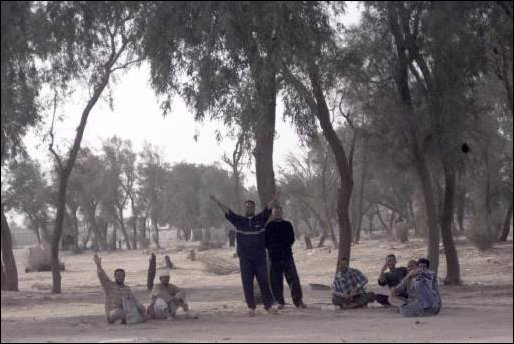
(52, 138)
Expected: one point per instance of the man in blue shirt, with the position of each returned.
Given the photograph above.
(250, 234)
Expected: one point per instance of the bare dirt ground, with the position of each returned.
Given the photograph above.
(481, 310)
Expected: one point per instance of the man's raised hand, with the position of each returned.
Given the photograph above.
(97, 260)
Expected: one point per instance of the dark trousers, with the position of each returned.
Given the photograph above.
(255, 267)
(285, 268)
(382, 299)
(357, 301)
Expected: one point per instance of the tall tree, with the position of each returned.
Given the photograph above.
(120, 163)
(152, 171)
(232, 56)
(105, 36)
(22, 40)
(307, 69)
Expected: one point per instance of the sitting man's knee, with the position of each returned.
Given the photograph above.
(116, 316)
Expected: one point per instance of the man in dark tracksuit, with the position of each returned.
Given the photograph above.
(279, 240)
(251, 251)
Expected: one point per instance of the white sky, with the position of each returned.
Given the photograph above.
(137, 116)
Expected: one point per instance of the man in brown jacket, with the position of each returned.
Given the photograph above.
(119, 300)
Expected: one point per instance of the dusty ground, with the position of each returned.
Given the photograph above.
(479, 311)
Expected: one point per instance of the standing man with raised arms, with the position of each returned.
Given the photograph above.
(250, 233)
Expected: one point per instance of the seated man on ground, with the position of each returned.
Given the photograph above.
(420, 284)
(121, 306)
(390, 279)
(348, 287)
(166, 299)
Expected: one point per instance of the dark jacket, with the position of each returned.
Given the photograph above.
(250, 233)
(393, 278)
(279, 239)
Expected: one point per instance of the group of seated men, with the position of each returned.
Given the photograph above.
(121, 306)
(414, 289)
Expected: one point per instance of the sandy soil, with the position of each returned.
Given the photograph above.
(481, 310)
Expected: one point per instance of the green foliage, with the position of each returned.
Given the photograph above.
(28, 192)
(19, 74)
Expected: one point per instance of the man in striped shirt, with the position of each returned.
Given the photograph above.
(348, 287)
(250, 233)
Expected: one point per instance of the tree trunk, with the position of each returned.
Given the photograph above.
(461, 204)
(9, 263)
(156, 233)
(2, 275)
(86, 239)
(122, 226)
(401, 76)
(64, 175)
(152, 268)
(386, 228)
(392, 217)
(360, 206)
(265, 135)
(75, 229)
(134, 224)
(38, 235)
(506, 223)
(412, 216)
(323, 237)
(45, 237)
(94, 227)
(315, 98)
(343, 166)
(114, 239)
(71, 216)
(431, 210)
(325, 203)
(452, 259)
(308, 241)
(142, 237)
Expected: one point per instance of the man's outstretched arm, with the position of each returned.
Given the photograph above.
(102, 276)
(223, 207)
(274, 200)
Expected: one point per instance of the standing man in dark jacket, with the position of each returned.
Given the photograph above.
(251, 250)
(279, 241)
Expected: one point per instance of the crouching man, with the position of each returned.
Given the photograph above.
(167, 299)
(348, 288)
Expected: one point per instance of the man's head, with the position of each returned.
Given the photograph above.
(391, 261)
(119, 276)
(249, 207)
(423, 263)
(164, 277)
(277, 212)
(412, 265)
(344, 264)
